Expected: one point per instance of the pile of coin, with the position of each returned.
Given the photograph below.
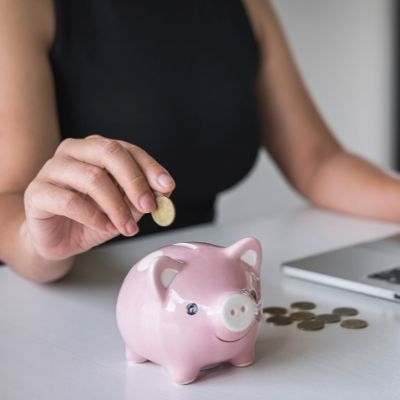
(310, 321)
(164, 214)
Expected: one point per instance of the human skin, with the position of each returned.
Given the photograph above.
(61, 198)
(301, 144)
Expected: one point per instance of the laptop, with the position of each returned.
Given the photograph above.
(372, 268)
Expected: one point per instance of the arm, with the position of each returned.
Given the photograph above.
(28, 128)
(58, 199)
(301, 144)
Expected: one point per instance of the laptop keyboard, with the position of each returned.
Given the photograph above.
(391, 275)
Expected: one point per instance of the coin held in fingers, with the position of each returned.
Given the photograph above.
(164, 214)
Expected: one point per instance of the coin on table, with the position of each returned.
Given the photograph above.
(312, 325)
(354, 323)
(303, 305)
(274, 310)
(164, 214)
(280, 320)
(328, 318)
(345, 311)
(302, 315)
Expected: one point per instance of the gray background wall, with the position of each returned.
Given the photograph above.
(344, 49)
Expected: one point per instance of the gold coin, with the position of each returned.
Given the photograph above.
(354, 323)
(312, 325)
(302, 315)
(345, 311)
(328, 318)
(303, 305)
(164, 214)
(280, 320)
(274, 310)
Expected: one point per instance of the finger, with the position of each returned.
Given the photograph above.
(109, 154)
(157, 176)
(135, 212)
(95, 182)
(56, 200)
(137, 215)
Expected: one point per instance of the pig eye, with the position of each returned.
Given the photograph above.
(253, 294)
(192, 308)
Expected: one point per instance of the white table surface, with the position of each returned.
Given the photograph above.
(60, 341)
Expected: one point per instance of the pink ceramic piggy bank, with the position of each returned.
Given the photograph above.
(191, 305)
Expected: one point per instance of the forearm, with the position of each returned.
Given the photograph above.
(347, 183)
(16, 248)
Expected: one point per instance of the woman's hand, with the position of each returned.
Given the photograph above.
(91, 190)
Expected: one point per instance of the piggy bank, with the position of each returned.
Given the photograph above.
(189, 306)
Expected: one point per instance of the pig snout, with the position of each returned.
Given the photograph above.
(238, 312)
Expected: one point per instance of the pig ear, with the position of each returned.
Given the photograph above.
(163, 271)
(247, 250)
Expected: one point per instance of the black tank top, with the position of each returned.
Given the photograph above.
(175, 77)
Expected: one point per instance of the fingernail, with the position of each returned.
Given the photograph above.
(111, 227)
(146, 202)
(131, 227)
(165, 180)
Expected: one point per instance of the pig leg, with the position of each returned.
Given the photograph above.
(133, 357)
(183, 374)
(243, 359)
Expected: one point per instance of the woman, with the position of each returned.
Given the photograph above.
(179, 91)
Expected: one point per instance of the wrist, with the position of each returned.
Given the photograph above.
(351, 184)
(32, 265)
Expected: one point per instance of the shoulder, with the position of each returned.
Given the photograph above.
(28, 129)
(264, 22)
(26, 22)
